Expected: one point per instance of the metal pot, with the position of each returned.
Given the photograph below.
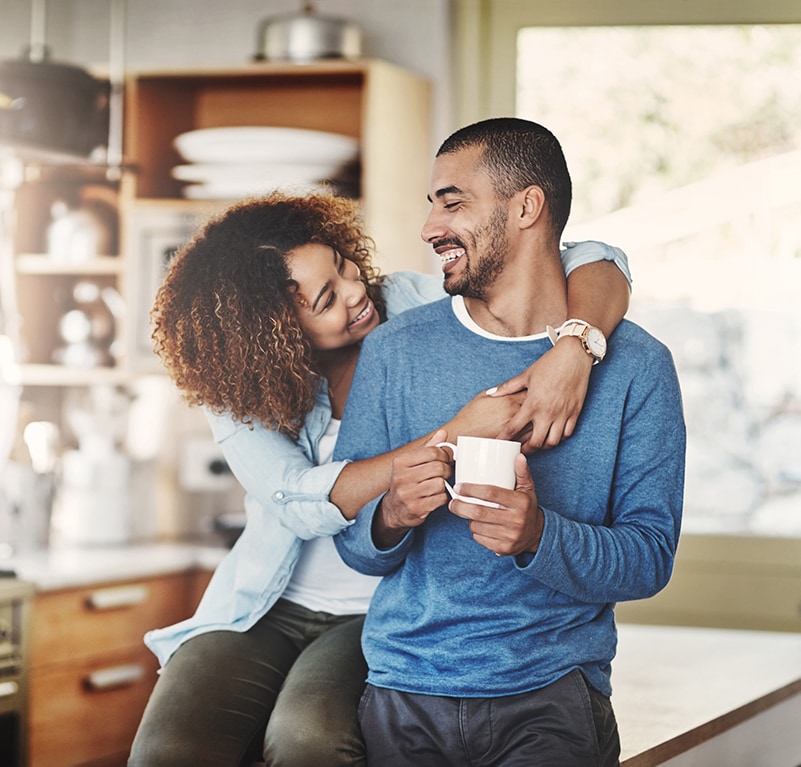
(306, 36)
(51, 106)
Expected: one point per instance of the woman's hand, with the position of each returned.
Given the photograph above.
(488, 416)
(554, 387)
(361, 481)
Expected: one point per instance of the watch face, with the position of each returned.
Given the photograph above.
(596, 341)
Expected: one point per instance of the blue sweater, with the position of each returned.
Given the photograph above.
(450, 617)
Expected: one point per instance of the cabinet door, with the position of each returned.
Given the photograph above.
(90, 673)
(84, 622)
(88, 711)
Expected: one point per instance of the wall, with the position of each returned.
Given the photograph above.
(185, 33)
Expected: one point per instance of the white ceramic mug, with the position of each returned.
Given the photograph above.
(484, 461)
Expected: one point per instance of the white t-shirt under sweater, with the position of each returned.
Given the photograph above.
(321, 581)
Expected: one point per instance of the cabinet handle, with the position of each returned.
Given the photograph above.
(117, 596)
(8, 688)
(114, 676)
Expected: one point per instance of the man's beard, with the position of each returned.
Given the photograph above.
(478, 277)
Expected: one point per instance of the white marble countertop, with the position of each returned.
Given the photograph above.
(674, 687)
(67, 567)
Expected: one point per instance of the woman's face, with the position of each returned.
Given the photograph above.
(331, 301)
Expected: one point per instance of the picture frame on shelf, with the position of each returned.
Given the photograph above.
(154, 236)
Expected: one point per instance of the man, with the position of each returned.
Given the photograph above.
(490, 638)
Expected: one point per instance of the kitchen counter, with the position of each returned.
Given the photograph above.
(698, 697)
(684, 697)
(67, 567)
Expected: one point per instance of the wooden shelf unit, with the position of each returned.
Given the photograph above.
(386, 108)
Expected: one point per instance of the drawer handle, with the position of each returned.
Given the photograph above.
(8, 689)
(117, 596)
(115, 676)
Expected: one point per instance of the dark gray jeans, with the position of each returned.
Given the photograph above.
(301, 671)
(567, 724)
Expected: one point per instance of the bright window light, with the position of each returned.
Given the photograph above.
(684, 145)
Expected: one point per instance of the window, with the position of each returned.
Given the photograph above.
(684, 144)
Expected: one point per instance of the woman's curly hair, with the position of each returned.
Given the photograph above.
(225, 325)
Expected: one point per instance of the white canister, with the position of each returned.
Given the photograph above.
(94, 503)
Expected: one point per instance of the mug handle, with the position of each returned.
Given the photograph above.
(450, 445)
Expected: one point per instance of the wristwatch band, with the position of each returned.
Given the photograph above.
(592, 339)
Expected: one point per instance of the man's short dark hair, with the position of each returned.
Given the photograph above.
(518, 154)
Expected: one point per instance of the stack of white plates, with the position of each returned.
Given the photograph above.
(227, 163)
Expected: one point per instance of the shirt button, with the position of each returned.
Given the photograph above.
(279, 496)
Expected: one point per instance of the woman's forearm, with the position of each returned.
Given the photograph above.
(598, 293)
(361, 481)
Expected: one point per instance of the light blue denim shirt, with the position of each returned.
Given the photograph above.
(287, 491)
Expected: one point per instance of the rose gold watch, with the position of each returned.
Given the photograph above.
(593, 341)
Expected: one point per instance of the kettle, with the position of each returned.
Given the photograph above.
(305, 36)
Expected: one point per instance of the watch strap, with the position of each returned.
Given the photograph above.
(579, 329)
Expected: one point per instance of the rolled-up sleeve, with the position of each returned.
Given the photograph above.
(576, 254)
(279, 474)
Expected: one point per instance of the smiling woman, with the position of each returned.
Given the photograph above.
(239, 348)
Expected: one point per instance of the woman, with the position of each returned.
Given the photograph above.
(259, 321)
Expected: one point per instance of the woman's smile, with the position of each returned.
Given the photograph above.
(365, 315)
(331, 298)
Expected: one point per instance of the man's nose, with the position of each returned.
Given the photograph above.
(432, 228)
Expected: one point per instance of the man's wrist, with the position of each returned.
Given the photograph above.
(385, 536)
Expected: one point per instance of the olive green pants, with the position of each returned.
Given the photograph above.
(297, 673)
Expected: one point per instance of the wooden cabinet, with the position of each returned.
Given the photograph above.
(386, 108)
(90, 674)
(143, 216)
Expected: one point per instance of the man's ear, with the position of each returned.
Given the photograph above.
(532, 206)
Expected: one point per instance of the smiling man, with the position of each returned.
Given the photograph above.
(490, 638)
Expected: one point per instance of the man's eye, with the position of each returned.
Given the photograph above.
(452, 205)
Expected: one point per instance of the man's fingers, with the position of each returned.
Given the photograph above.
(516, 427)
(536, 439)
(523, 479)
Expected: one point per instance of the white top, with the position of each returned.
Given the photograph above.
(321, 581)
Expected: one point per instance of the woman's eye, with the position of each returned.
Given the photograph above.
(330, 301)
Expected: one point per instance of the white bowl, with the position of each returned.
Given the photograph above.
(266, 144)
(240, 191)
(249, 173)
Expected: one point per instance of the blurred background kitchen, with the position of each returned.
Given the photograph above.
(122, 125)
